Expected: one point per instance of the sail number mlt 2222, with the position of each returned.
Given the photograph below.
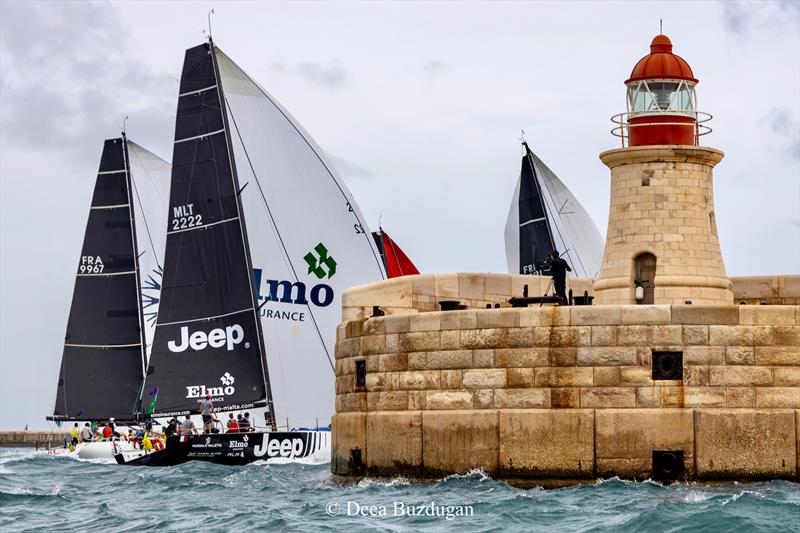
(183, 217)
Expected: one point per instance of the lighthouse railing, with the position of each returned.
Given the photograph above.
(623, 124)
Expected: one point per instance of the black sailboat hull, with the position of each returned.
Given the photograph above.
(234, 449)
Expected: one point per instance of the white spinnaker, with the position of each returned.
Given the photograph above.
(512, 232)
(293, 201)
(572, 227)
(150, 179)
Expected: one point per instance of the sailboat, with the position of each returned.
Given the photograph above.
(116, 295)
(395, 260)
(545, 216)
(262, 238)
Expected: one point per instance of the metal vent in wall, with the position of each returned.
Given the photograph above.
(361, 373)
(667, 365)
(668, 465)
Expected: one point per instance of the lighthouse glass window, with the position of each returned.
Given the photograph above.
(660, 96)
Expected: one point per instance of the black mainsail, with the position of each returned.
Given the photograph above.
(104, 348)
(208, 336)
(535, 236)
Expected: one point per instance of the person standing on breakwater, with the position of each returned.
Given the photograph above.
(206, 410)
(558, 269)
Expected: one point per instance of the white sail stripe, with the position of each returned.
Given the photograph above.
(203, 226)
(200, 136)
(102, 345)
(127, 272)
(198, 90)
(532, 221)
(113, 206)
(111, 172)
(249, 309)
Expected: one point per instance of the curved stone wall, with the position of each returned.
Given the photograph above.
(568, 392)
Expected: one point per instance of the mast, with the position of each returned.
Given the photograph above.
(245, 241)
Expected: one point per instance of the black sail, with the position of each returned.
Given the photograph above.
(102, 363)
(535, 236)
(208, 336)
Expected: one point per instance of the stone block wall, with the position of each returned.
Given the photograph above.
(567, 393)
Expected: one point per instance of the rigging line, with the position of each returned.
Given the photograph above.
(577, 255)
(335, 181)
(277, 231)
(141, 207)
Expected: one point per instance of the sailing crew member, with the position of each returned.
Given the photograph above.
(206, 408)
(74, 433)
(245, 425)
(171, 427)
(187, 426)
(233, 425)
(558, 270)
(108, 432)
(86, 433)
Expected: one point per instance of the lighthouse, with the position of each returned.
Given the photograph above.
(662, 245)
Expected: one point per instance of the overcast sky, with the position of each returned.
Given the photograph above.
(418, 104)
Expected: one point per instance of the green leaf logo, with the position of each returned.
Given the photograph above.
(317, 263)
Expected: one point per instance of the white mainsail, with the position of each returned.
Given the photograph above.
(150, 180)
(308, 242)
(573, 231)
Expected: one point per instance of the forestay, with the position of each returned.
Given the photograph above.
(308, 241)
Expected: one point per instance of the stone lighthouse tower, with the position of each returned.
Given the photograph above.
(662, 234)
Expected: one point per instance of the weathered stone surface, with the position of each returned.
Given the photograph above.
(484, 379)
(449, 359)
(646, 314)
(740, 355)
(564, 377)
(483, 358)
(607, 356)
(740, 396)
(604, 336)
(705, 314)
(349, 432)
(648, 396)
(570, 336)
(450, 339)
(418, 342)
(786, 397)
(673, 396)
(632, 336)
(704, 397)
(464, 319)
(536, 316)
(387, 401)
(632, 435)
(448, 400)
(547, 444)
(348, 347)
(417, 400)
(522, 357)
(417, 380)
(565, 398)
(598, 315)
(635, 375)
(563, 356)
(354, 328)
(351, 402)
(417, 361)
(459, 441)
(777, 355)
(666, 335)
(696, 376)
(396, 323)
(740, 375)
(695, 335)
(766, 315)
(520, 377)
(740, 335)
(425, 322)
(373, 326)
(498, 318)
(786, 376)
(608, 376)
(603, 397)
(392, 362)
(521, 398)
(786, 336)
(704, 355)
(745, 443)
(483, 399)
(394, 440)
(519, 338)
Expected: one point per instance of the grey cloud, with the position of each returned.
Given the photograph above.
(74, 116)
(434, 68)
(741, 17)
(331, 76)
(349, 169)
(786, 129)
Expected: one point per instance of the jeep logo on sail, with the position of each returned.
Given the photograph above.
(216, 338)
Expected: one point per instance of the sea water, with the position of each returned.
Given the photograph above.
(40, 492)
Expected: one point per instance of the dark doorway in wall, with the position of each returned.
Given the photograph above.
(645, 270)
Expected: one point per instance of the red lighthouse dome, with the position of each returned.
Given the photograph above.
(661, 100)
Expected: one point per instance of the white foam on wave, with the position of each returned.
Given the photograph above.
(396, 481)
(475, 473)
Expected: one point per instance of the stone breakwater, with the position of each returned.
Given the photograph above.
(568, 393)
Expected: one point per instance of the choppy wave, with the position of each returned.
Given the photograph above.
(38, 492)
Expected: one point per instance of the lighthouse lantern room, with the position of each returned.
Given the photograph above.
(661, 101)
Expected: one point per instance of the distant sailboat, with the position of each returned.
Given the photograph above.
(116, 289)
(395, 261)
(545, 216)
